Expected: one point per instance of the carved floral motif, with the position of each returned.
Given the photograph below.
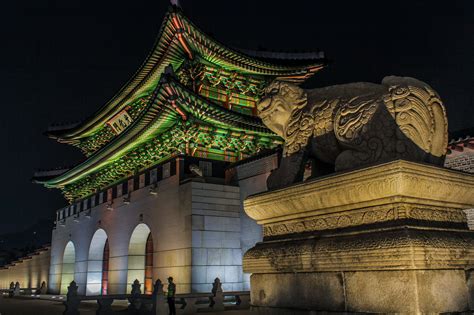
(367, 216)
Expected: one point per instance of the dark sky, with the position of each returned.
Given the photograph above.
(62, 60)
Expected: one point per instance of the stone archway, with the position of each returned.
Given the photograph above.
(68, 266)
(96, 273)
(140, 258)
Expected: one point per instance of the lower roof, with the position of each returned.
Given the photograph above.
(171, 101)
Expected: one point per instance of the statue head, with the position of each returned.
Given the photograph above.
(280, 99)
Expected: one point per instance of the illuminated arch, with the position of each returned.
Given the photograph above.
(68, 266)
(140, 258)
(96, 273)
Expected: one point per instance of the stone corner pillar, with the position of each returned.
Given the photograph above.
(391, 238)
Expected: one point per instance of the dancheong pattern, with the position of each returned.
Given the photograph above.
(192, 95)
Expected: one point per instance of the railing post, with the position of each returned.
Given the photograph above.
(135, 302)
(11, 289)
(43, 289)
(217, 302)
(72, 300)
(158, 298)
(16, 289)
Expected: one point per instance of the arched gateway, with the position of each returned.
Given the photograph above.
(140, 258)
(97, 264)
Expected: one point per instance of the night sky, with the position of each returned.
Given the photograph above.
(62, 60)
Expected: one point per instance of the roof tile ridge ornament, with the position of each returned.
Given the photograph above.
(175, 3)
(180, 31)
(168, 74)
(461, 140)
(312, 55)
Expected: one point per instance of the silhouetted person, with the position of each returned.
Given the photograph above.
(170, 296)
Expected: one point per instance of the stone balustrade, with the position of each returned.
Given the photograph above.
(156, 303)
(16, 290)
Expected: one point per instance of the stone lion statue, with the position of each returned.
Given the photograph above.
(352, 125)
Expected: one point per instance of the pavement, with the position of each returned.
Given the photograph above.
(29, 306)
(48, 306)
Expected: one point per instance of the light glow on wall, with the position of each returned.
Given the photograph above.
(137, 255)
(94, 264)
(69, 262)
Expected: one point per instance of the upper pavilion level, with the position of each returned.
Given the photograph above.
(229, 77)
(191, 96)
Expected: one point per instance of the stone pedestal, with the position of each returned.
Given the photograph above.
(386, 239)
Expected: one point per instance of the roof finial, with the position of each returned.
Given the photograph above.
(175, 3)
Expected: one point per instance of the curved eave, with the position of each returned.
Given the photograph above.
(179, 39)
(165, 51)
(215, 52)
(159, 115)
(45, 175)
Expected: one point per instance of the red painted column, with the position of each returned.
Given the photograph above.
(149, 265)
(105, 268)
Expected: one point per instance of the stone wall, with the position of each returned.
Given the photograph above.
(195, 226)
(462, 161)
(29, 271)
(216, 232)
(171, 237)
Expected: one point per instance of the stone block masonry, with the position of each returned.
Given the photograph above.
(390, 238)
(216, 233)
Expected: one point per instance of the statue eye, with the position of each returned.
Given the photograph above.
(271, 91)
(400, 90)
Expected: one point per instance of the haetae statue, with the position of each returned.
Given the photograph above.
(348, 126)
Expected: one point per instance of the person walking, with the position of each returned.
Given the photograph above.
(170, 296)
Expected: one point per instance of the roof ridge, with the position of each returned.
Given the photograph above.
(313, 55)
(173, 21)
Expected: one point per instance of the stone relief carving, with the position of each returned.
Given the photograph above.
(352, 125)
(368, 216)
(427, 249)
(365, 216)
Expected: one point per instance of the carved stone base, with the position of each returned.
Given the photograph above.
(401, 291)
(387, 270)
(386, 239)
